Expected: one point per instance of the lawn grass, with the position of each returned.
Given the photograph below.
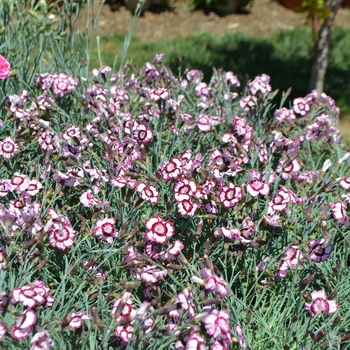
(285, 56)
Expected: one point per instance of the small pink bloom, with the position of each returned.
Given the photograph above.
(172, 252)
(184, 189)
(255, 186)
(339, 212)
(88, 199)
(187, 207)
(149, 193)
(124, 332)
(105, 230)
(172, 169)
(240, 337)
(214, 284)
(8, 148)
(76, 319)
(230, 195)
(292, 258)
(319, 250)
(217, 326)
(41, 341)
(320, 303)
(301, 106)
(143, 134)
(345, 183)
(196, 342)
(31, 295)
(24, 324)
(4, 68)
(158, 230)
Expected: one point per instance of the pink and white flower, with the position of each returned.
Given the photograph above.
(143, 134)
(292, 258)
(149, 193)
(24, 324)
(41, 341)
(217, 325)
(230, 195)
(75, 320)
(320, 303)
(184, 189)
(214, 283)
(61, 233)
(31, 295)
(301, 106)
(255, 186)
(187, 207)
(8, 148)
(105, 230)
(172, 169)
(339, 212)
(158, 230)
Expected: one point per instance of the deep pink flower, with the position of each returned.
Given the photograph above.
(76, 319)
(4, 68)
(214, 284)
(41, 341)
(320, 303)
(319, 250)
(230, 195)
(105, 230)
(24, 324)
(158, 230)
(8, 148)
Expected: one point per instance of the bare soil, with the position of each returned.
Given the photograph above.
(160, 22)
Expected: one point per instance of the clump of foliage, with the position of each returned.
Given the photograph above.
(148, 210)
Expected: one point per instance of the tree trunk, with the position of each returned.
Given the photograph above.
(321, 48)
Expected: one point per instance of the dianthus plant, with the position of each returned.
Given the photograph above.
(173, 213)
